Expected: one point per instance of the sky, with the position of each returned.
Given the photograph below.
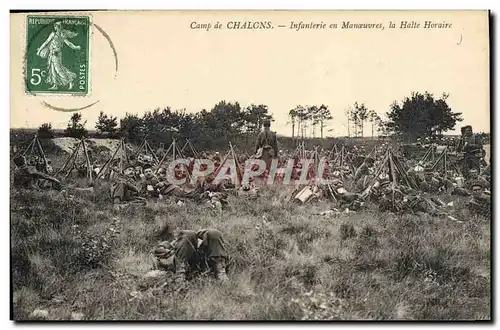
(163, 62)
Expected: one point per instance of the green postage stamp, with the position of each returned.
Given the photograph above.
(57, 54)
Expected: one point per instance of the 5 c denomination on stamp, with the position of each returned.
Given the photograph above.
(57, 54)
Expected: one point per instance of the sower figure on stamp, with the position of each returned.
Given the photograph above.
(471, 145)
(267, 145)
(57, 74)
(191, 251)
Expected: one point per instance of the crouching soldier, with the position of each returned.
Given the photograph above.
(346, 199)
(473, 178)
(125, 189)
(28, 177)
(391, 200)
(194, 251)
(480, 203)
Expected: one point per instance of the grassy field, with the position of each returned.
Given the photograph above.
(74, 253)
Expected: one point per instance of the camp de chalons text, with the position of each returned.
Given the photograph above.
(265, 25)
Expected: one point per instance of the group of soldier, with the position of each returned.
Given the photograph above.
(419, 189)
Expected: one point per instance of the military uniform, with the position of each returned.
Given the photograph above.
(472, 147)
(480, 203)
(420, 204)
(266, 140)
(194, 251)
(474, 178)
(445, 183)
(150, 186)
(124, 189)
(28, 177)
(430, 184)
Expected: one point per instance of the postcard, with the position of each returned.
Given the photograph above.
(250, 165)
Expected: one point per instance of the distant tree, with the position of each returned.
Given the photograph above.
(347, 112)
(312, 116)
(254, 117)
(359, 114)
(293, 116)
(75, 127)
(131, 128)
(45, 131)
(106, 124)
(299, 115)
(323, 115)
(374, 119)
(421, 115)
(381, 126)
(228, 119)
(354, 119)
(302, 115)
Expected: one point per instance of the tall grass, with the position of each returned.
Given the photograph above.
(75, 253)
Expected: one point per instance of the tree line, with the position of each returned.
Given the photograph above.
(224, 122)
(418, 115)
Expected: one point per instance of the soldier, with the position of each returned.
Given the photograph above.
(346, 199)
(267, 144)
(164, 188)
(474, 177)
(125, 189)
(430, 184)
(134, 162)
(160, 152)
(419, 204)
(150, 183)
(413, 174)
(487, 170)
(81, 169)
(192, 251)
(216, 159)
(481, 202)
(28, 177)
(445, 184)
(138, 175)
(391, 199)
(242, 158)
(471, 146)
(364, 169)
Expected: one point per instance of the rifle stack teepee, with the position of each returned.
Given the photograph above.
(36, 147)
(341, 157)
(193, 150)
(334, 151)
(316, 162)
(120, 153)
(70, 162)
(173, 150)
(372, 154)
(396, 171)
(236, 163)
(443, 163)
(148, 150)
(301, 149)
(429, 155)
(176, 153)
